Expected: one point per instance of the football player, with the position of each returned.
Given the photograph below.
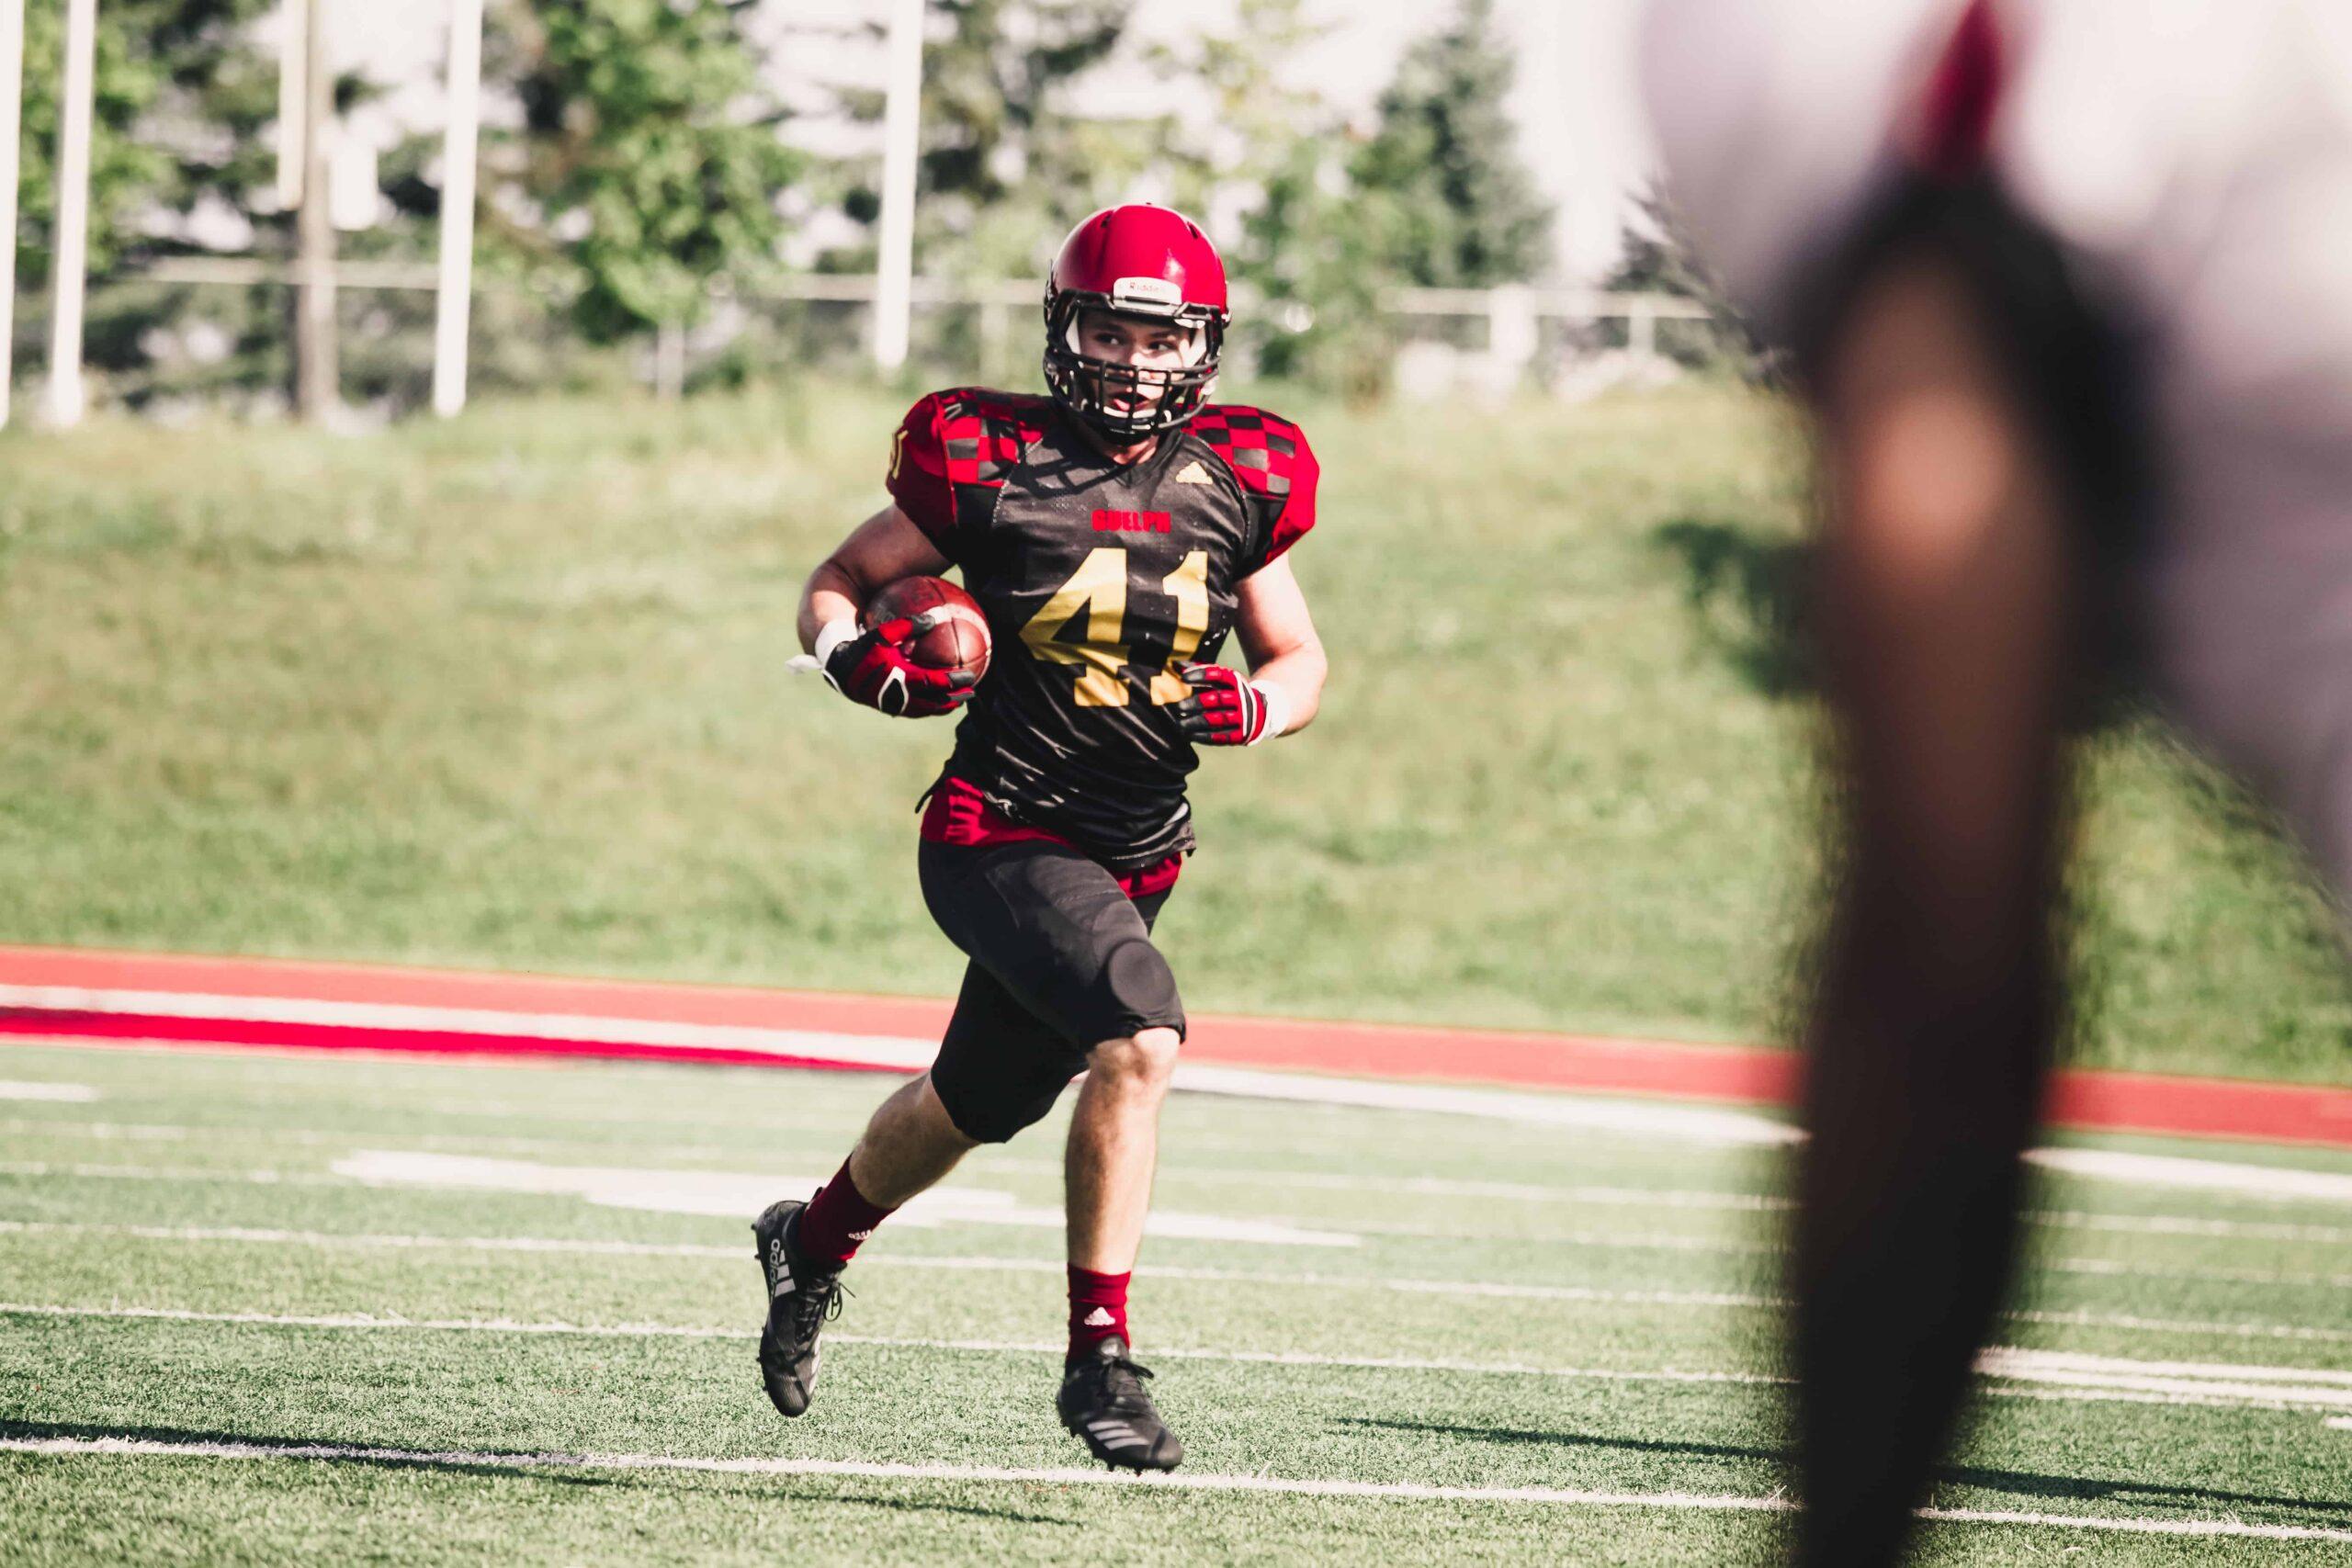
(2066, 283)
(1115, 532)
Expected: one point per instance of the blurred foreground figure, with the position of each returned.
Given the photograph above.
(2069, 288)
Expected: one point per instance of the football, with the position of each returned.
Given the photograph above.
(957, 634)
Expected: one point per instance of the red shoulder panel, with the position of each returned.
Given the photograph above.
(986, 432)
(917, 480)
(966, 436)
(1271, 458)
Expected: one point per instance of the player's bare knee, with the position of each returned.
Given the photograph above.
(1142, 1061)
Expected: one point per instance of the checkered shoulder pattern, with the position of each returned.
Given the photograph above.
(953, 453)
(1277, 470)
(986, 434)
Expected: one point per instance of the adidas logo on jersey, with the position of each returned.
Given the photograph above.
(1192, 473)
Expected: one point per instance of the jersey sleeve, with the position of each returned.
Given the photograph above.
(1297, 519)
(1277, 472)
(917, 480)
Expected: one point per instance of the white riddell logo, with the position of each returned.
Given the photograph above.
(1192, 473)
(1100, 1318)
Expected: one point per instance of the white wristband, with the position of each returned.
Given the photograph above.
(1278, 710)
(831, 636)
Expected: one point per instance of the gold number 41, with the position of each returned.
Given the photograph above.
(1099, 587)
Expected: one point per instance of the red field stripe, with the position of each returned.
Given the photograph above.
(843, 1013)
(49, 1025)
(2216, 1108)
(1742, 1075)
(2207, 1108)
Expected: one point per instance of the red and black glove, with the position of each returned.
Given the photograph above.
(872, 667)
(1224, 709)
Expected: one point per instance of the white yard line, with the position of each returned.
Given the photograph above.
(1436, 1186)
(1582, 1195)
(2136, 1324)
(1420, 1187)
(1179, 1481)
(1591, 1114)
(588, 1246)
(67, 1093)
(2084, 1361)
(732, 1194)
(2182, 1224)
(1565, 1239)
(1598, 1197)
(1632, 1117)
(584, 1246)
(2249, 1181)
(2019, 1373)
(2272, 1387)
(2197, 1175)
(170, 1173)
(322, 1137)
(1010, 1266)
(2108, 1269)
(367, 1322)
(1490, 1290)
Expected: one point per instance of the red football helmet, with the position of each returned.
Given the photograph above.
(1137, 261)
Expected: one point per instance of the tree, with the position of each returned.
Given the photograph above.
(183, 95)
(1253, 117)
(1312, 249)
(1658, 258)
(181, 98)
(648, 162)
(1005, 167)
(1267, 164)
(1458, 207)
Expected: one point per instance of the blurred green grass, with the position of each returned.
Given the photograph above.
(510, 691)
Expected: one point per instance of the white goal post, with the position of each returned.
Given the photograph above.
(64, 398)
(69, 266)
(12, 104)
(460, 150)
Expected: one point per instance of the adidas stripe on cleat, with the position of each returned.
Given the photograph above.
(1104, 1404)
(801, 1297)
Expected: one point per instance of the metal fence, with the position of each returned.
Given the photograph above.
(184, 333)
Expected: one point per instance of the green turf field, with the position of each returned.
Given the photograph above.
(492, 1365)
(509, 693)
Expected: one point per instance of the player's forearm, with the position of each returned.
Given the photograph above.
(1298, 674)
(831, 595)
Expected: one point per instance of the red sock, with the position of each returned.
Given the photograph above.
(1098, 1310)
(836, 1220)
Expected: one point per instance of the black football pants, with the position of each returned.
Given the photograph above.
(1061, 960)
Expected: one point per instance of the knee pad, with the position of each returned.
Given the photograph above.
(1137, 992)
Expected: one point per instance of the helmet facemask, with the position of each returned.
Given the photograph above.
(1086, 387)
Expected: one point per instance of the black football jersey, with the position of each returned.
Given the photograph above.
(1098, 582)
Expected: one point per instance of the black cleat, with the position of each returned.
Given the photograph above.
(1102, 1402)
(801, 1296)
